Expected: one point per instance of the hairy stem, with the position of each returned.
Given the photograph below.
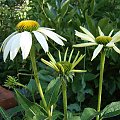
(64, 91)
(32, 55)
(102, 62)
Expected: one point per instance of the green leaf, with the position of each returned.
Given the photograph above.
(88, 114)
(74, 107)
(103, 22)
(111, 110)
(14, 110)
(4, 114)
(56, 114)
(90, 76)
(72, 117)
(32, 86)
(100, 4)
(31, 109)
(49, 12)
(45, 75)
(81, 96)
(75, 118)
(64, 7)
(92, 6)
(89, 91)
(52, 92)
(91, 24)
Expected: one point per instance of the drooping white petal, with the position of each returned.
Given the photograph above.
(87, 32)
(84, 44)
(116, 37)
(97, 51)
(61, 37)
(25, 43)
(116, 49)
(52, 35)
(15, 45)
(7, 47)
(110, 44)
(100, 32)
(110, 33)
(54, 32)
(45, 28)
(41, 39)
(6, 40)
(84, 36)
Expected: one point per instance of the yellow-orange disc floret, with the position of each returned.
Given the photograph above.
(27, 25)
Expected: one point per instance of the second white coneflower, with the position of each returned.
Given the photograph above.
(101, 41)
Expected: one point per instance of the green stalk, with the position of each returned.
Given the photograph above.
(64, 91)
(19, 84)
(32, 55)
(102, 62)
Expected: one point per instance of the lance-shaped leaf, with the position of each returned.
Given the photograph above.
(52, 92)
(64, 7)
(31, 109)
(111, 110)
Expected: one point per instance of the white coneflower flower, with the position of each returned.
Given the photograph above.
(22, 38)
(101, 41)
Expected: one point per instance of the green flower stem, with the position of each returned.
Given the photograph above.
(32, 55)
(102, 62)
(64, 91)
(19, 84)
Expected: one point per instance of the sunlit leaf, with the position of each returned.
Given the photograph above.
(111, 110)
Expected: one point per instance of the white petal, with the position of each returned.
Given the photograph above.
(100, 32)
(25, 43)
(84, 44)
(110, 44)
(41, 28)
(84, 36)
(41, 39)
(7, 49)
(15, 45)
(116, 37)
(110, 33)
(97, 51)
(7, 39)
(116, 49)
(45, 28)
(52, 35)
(61, 37)
(87, 32)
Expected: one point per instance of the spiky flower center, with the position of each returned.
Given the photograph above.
(64, 66)
(103, 39)
(27, 25)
